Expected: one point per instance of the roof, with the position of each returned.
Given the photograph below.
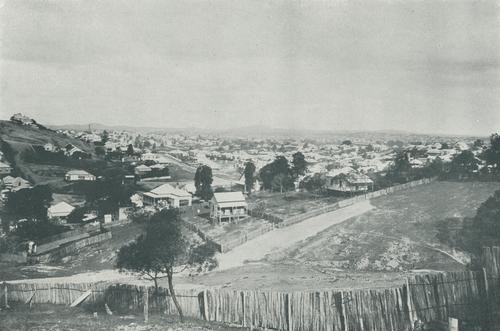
(336, 172)
(222, 197)
(167, 189)
(7, 179)
(61, 207)
(4, 165)
(78, 173)
(143, 168)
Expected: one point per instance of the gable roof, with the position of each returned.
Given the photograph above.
(4, 165)
(222, 197)
(78, 173)
(167, 189)
(61, 207)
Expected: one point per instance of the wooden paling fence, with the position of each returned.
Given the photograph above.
(432, 297)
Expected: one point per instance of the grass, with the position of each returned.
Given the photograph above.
(57, 317)
(289, 204)
(399, 234)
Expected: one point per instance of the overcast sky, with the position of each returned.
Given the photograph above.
(424, 66)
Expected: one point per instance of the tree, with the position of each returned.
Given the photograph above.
(203, 182)
(347, 142)
(492, 154)
(99, 151)
(104, 136)
(163, 250)
(31, 203)
(463, 165)
(279, 167)
(249, 173)
(76, 216)
(314, 183)
(299, 165)
(401, 168)
(130, 150)
(487, 220)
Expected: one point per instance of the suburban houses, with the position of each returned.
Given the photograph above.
(228, 207)
(78, 175)
(167, 195)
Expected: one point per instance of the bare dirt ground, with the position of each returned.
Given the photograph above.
(278, 239)
(399, 234)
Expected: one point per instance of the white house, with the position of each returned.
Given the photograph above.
(49, 147)
(5, 169)
(78, 175)
(167, 195)
(61, 209)
(228, 206)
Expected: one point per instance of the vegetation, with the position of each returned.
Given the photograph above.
(162, 250)
(203, 182)
(277, 175)
(249, 174)
(299, 165)
(30, 203)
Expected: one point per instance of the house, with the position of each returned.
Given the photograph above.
(167, 195)
(61, 209)
(21, 119)
(351, 182)
(142, 170)
(228, 206)
(5, 169)
(78, 175)
(15, 184)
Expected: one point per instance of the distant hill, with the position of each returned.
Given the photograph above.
(18, 140)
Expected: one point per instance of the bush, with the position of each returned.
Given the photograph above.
(36, 230)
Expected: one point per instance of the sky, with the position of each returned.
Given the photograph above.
(419, 66)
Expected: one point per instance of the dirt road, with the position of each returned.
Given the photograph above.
(275, 240)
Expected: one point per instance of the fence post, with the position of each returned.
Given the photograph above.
(243, 308)
(5, 294)
(411, 313)
(205, 304)
(146, 304)
(288, 312)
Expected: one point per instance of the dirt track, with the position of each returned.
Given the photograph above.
(259, 247)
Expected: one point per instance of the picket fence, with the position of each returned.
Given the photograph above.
(464, 295)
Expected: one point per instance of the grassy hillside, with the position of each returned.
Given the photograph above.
(18, 140)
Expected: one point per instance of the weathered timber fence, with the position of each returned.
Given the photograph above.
(68, 248)
(432, 297)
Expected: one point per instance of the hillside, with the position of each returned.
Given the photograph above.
(17, 141)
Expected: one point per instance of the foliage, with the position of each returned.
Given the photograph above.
(492, 153)
(38, 229)
(463, 165)
(203, 182)
(277, 175)
(299, 165)
(399, 171)
(9, 244)
(314, 183)
(487, 220)
(77, 215)
(249, 173)
(162, 249)
(30, 202)
(347, 142)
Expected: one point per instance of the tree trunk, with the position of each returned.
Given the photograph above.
(172, 293)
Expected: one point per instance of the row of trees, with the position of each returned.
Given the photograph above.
(279, 175)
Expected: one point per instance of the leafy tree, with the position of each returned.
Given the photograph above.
(76, 216)
(203, 182)
(104, 136)
(130, 150)
(162, 250)
(347, 142)
(31, 203)
(34, 229)
(487, 220)
(445, 146)
(463, 165)
(279, 167)
(249, 173)
(99, 151)
(478, 143)
(492, 154)
(299, 165)
(314, 183)
(400, 170)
